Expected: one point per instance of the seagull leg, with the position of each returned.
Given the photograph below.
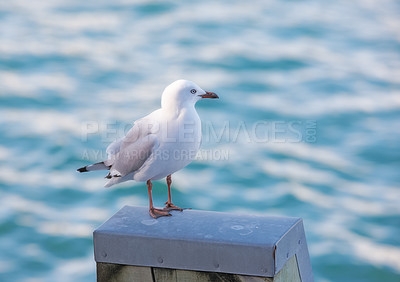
(156, 213)
(169, 205)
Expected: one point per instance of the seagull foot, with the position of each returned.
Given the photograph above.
(156, 213)
(171, 207)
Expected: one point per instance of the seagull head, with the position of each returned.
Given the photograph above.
(184, 93)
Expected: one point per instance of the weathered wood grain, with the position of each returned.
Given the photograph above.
(290, 272)
(107, 272)
(176, 275)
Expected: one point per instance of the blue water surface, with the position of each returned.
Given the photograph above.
(307, 124)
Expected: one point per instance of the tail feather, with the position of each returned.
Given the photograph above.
(96, 166)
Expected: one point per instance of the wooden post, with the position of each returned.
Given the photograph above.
(200, 246)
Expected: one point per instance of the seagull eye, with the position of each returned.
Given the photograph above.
(193, 91)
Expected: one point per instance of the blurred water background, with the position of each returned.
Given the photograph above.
(307, 124)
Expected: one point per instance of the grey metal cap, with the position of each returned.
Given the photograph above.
(203, 241)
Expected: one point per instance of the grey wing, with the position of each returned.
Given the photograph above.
(131, 158)
(114, 147)
(134, 149)
(133, 155)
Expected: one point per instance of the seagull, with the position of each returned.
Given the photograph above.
(158, 144)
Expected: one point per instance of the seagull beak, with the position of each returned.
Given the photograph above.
(211, 95)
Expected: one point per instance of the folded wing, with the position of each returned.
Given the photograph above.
(128, 154)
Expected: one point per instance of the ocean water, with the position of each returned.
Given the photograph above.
(307, 124)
